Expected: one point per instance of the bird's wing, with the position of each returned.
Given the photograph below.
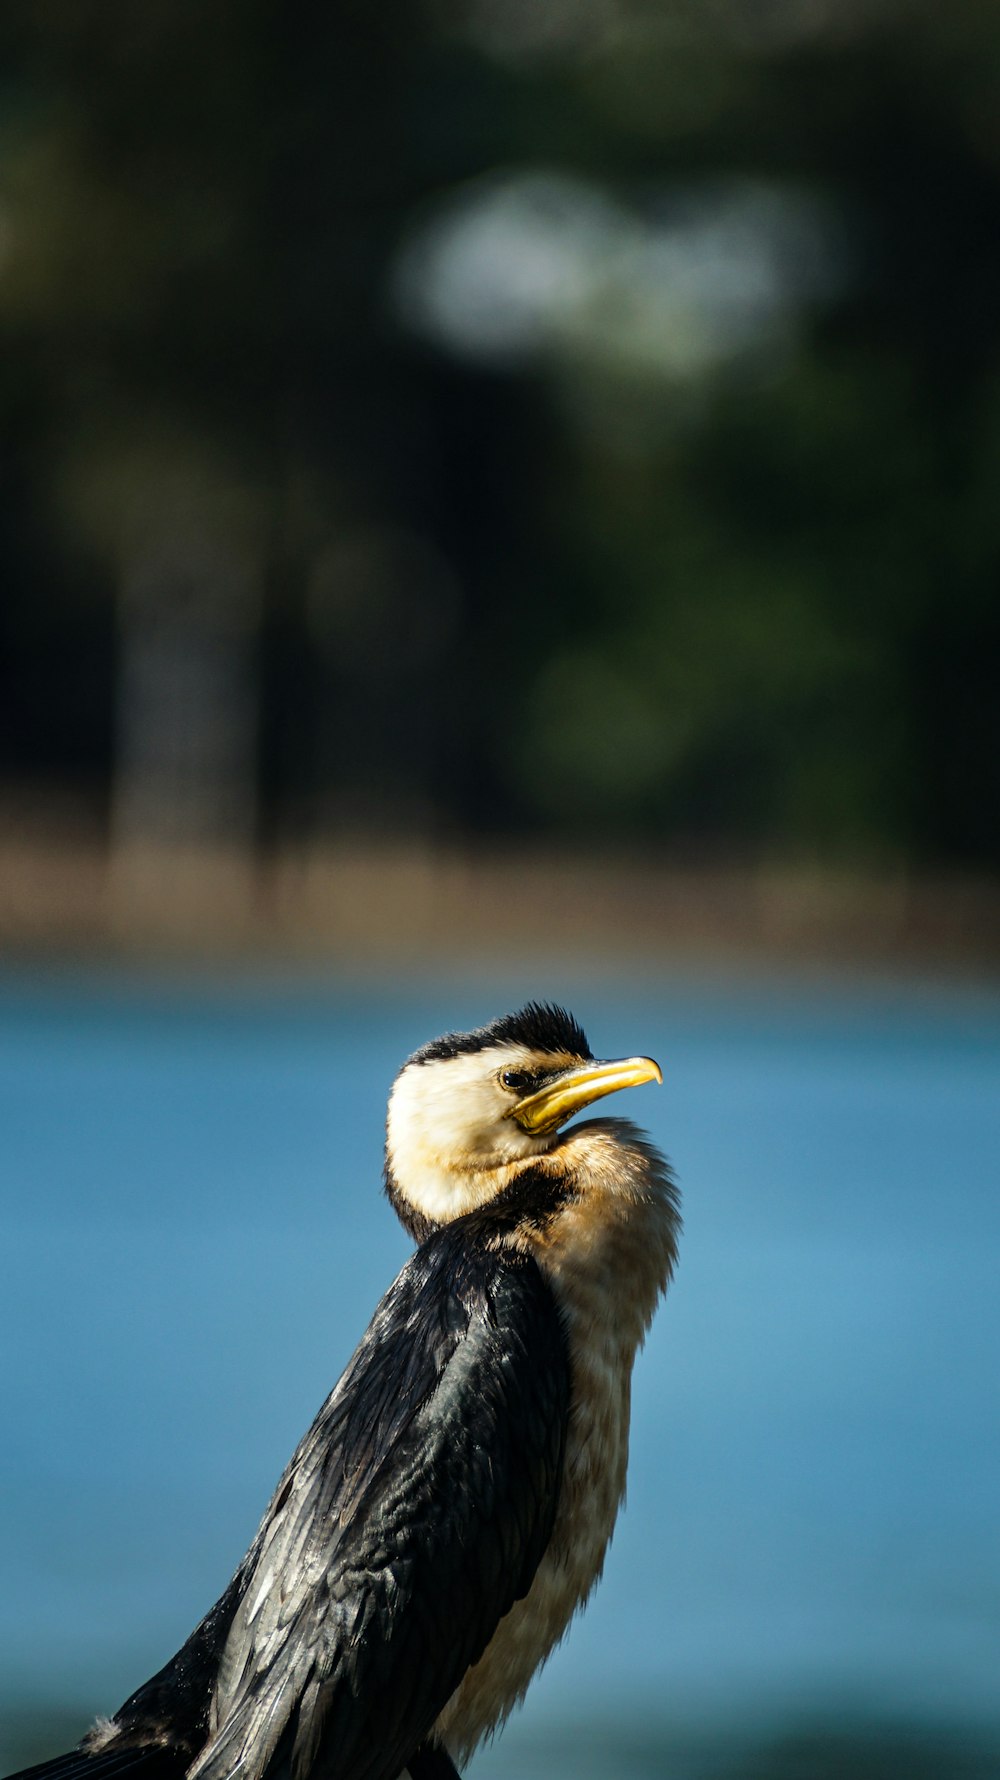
(412, 1517)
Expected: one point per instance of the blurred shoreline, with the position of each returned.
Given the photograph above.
(398, 902)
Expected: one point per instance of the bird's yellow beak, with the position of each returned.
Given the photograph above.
(570, 1092)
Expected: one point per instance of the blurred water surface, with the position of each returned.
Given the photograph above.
(193, 1238)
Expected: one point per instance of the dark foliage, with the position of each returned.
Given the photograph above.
(706, 560)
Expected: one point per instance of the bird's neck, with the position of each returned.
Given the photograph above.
(433, 1191)
(620, 1207)
(612, 1250)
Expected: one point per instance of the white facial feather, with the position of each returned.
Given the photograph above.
(102, 1731)
(448, 1133)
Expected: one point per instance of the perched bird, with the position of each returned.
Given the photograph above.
(450, 1507)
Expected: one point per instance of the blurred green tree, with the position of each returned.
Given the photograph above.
(597, 408)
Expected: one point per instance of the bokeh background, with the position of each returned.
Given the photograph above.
(500, 498)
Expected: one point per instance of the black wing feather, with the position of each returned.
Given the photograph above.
(144, 1761)
(412, 1517)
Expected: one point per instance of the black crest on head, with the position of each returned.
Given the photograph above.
(538, 1027)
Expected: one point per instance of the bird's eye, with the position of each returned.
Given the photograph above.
(519, 1079)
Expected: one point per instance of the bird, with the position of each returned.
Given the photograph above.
(449, 1509)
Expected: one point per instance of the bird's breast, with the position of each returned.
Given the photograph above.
(593, 1484)
(607, 1259)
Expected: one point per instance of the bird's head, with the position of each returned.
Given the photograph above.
(467, 1109)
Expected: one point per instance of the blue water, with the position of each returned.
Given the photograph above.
(192, 1238)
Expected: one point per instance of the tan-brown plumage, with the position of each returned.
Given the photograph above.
(608, 1257)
